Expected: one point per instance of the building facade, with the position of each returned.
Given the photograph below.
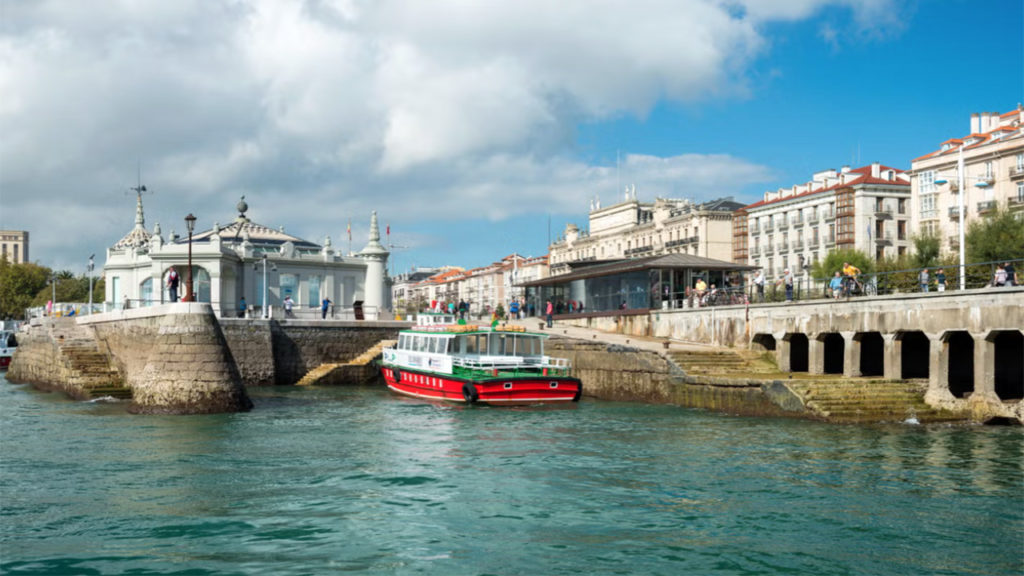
(246, 260)
(14, 244)
(868, 209)
(993, 177)
(634, 229)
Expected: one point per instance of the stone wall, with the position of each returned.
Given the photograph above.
(270, 352)
(619, 373)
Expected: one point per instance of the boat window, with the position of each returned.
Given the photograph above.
(435, 344)
(403, 341)
(496, 346)
(421, 343)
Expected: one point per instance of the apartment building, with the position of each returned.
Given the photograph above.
(483, 288)
(993, 176)
(866, 208)
(14, 245)
(634, 229)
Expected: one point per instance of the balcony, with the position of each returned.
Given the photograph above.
(1016, 172)
(830, 240)
(954, 242)
(883, 239)
(883, 214)
(798, 221)
(783, 246)
(986, 207)
(755, 251)
(798, 245)
(1017, 200)
(812, 219)
(769, 227)
(693, 239)
(954, 212)
(783, 225)
(755, 229)
(814, 243)
(769, 250)
(828, 216)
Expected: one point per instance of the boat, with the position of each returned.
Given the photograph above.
(8, 343)
(441, 359)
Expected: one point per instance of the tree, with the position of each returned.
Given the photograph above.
(926, 250)
(18, 284)
(833, 262)
(997, 237)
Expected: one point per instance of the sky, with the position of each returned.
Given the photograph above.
(475, 129)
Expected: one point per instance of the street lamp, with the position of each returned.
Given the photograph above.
(981, 183)
(190, 222)
(53, 291)
(273, 268)
(92, 265)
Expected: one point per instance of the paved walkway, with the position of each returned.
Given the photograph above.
(641, 342)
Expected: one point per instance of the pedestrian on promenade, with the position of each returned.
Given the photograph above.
(288, 304)
(549, 309)
(940, 280)
(172, 283)
(787, 279)
(324, 306)
(1011, 274)
(1000, 277)
(242, 307)
(513, 310)
(462, 309)
(923, 280)
(759, 283)
(836, 285)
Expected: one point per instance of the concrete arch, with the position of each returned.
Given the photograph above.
(763, 342)
(798, 348)
(833, 350)
(958, 350)
(1008, 363)
(872, 353)
(915, 354)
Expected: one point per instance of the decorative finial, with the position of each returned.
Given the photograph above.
(156, 229)
(327, 241)
(242, 207)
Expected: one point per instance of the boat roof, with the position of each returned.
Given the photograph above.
(465, 329)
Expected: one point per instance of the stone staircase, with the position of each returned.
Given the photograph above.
(729, 363)
(90, 371)
(325, 373)
(868, 400)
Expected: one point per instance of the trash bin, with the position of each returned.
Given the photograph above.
(357, 307)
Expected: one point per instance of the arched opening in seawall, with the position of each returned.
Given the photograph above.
(960, 363)
(914, 354)
(1009, 364)
(872, 353)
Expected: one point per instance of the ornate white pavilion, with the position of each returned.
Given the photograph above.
(247, 260)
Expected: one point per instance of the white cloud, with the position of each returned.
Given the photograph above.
(326, 109)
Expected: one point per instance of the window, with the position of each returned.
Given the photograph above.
(988, 170)
(313, 291)
(901, 230)
(928, 207)
(289, 285)
(1020, 192)
(927, 181)
(1020, 162)
(901, 205)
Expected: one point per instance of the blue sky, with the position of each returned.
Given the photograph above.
(468, 127)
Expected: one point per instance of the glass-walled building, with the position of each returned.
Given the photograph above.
(657, 282)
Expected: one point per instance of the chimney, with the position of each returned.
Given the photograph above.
(845, 169)
(875, 169)
(984, 123)
(975, 123)
(993, 120)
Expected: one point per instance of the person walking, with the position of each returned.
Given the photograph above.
(513, 310)
(288, 304)
(324, 306)
(922, 279)
(759, 284)
(940, 280)
(787, 279)
(172, 283)
(242, 307)
(836, 285)
(549, 311)
(1000, 276)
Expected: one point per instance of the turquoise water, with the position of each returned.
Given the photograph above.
(321, 481)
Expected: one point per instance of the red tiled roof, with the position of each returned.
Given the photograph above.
(865, 178)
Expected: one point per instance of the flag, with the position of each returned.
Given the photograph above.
(388, 230)
(349, 230)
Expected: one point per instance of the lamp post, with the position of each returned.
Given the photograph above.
(190, 222)
(264, 303)
(92, 265)
(981, 183)
(53, 292)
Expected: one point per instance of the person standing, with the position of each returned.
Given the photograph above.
(1000, 276)
(922, 279)
(787, 280)
(324, 306)
(549, 311)
(759, 284)
(242, 307)
(462, 309)
(940, 280)
(172, 283)
(288, 304)
(1011, 274)
(836, 284)
(513, 310)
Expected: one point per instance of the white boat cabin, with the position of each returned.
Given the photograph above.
(443, 348)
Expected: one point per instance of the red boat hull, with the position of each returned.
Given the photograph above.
(493, 391)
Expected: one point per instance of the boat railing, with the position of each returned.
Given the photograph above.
(513, 364)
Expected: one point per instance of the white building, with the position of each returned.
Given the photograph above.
(634, 229)
(867, 209)
(993, 156)
(246, 260)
